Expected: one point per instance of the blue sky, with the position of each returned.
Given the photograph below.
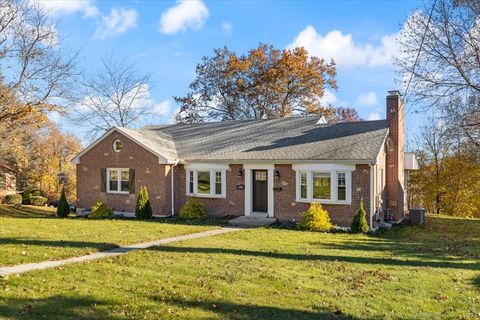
(168, 39)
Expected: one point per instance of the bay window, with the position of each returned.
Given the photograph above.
(321, 185)
(324, 184)
(206, 183)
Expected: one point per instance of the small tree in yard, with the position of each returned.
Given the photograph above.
(63, 208)
(143, 209)
(359, 222)
(316, 219)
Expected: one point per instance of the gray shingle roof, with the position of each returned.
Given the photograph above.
(292, 138)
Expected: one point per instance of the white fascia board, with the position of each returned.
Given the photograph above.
(161, 159)
(377, 160)
(206, 166)
(323, 167)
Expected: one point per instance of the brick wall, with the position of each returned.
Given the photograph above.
(232, 205)
(395, 155)
(286, 207)
(148, 172)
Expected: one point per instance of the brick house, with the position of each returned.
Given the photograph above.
(8, 181)
(272, 168)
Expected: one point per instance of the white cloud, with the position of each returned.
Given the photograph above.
(374, 116)
(68, 7)
(342, 48)
(368, 99)
(227, 27)
(184, 15)
(161, 108)
(116, 23)
(329, 98)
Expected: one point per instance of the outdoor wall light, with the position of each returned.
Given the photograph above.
(277, 172)
(240, 173)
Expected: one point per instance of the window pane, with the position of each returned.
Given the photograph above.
(321, 185)
(218, 182)
(125, 183)
(204, 182)
(190, 182)
(113, 180)
(342, 195)
(303, 184)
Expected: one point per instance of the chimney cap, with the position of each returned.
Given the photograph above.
(394, 93)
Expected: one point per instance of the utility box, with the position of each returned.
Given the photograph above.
(417, 215)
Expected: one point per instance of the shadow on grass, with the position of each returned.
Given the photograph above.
(56, 307)
(59, 243)
(29, 212)
(230, 310)
(321, 257)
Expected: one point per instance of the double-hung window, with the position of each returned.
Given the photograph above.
(324, 185)
(118, 180)
(206, 183)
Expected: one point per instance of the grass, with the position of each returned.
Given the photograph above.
(33, 234)
(430, 272)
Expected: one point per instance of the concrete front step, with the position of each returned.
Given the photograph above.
(252, 222)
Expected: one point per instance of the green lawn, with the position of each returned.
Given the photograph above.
(428, 272)
(32, 234)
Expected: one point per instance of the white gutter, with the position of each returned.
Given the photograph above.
(172, 187)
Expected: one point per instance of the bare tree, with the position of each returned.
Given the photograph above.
(36, 71)
(440, 62)
(117, 94)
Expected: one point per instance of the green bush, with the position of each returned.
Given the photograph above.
(13, 199)
(193, 210)
(38, 193)
(359, 222)
(100, 211)
(143, 209)
(63, 208)
(28, 194)
(316, 219)
(26, 197)
(38, 200)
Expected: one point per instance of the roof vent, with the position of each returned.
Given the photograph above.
(322, 120)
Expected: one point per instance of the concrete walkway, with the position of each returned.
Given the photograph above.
(22, 268)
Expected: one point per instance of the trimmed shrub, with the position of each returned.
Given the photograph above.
(38, 200)
(359, 222)
(143, 209)
(100, 211)
(13, 199)
(26, 197)
(316, 219)
(38, 193)
(63, 208)
(193, 210)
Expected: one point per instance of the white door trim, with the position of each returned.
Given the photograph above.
(248, 186)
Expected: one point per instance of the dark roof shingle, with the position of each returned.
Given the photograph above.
(292, 138)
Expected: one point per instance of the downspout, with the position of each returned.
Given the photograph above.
(173, 188)
(372, 198)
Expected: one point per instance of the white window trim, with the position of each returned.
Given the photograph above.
(119, 182)
(212, 193)
(325, 168)
(248, 168)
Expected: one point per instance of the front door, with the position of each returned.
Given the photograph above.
(260, 190)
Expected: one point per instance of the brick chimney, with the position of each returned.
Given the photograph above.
(395, 182)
